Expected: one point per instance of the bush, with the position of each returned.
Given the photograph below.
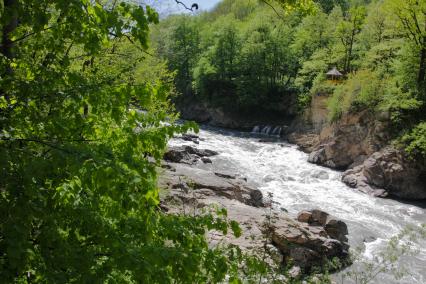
(415, 141)
(363, 90)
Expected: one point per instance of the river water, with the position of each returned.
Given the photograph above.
(281, 169)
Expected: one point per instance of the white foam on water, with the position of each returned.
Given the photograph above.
(283, 170)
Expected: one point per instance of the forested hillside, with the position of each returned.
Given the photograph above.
(247, 55)
(90, 93)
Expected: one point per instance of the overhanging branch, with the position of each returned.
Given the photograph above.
(193, 7)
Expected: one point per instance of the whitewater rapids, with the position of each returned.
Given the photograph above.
(281, 169)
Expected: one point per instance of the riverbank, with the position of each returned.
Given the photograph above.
(304, 244)
(274, 166)
(358, 143)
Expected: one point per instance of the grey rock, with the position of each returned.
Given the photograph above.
(304, 216)
(256, 198)
(318, 217)
(305, 257)
(389, 173)
(295, 272)
(317, 157)
(228, 176)
(200, 152)
(321, 175)
(176, 156)
(206, 160)
(336, 229)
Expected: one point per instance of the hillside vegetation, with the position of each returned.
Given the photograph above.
(86, 91)
(245, 55)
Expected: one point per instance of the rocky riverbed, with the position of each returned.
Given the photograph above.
(311, 240)
(240, 171)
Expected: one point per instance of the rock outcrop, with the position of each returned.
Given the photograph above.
(307, 243)
(350, 141)
(312, 244)
(358, 143)
(184, 178)
(233, 117)
(306, 141)
(389, 172)
(188, 155)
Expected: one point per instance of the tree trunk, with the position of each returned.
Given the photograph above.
(6, 47)
(422, 70)
(8, 28)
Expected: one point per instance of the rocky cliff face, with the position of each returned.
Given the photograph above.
(360, 144)
(349, 141)
(233, 117)
(202, 113)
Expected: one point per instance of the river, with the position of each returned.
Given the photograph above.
(281, 169)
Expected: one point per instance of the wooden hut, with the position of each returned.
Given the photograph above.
(334, 74)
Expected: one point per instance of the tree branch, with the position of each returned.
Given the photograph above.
(36, 32)
(194, 6)
(273, 8)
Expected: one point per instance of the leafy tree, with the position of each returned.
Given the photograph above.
(183, 50)
(347, 31)
(311, 35)
(328, 5)
(81, 135)
(411, 20)
(226, 51)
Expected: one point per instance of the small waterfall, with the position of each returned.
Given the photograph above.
(256, 129)
(267, 130)
(277, 131)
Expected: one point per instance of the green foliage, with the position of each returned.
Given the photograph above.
(363, 90)
(415, 141)
(239, 61)
(347, 31)
(328, 5)
(85, 116)
(84, 121)
(266, 55)
(322, 86)
(180, 45)
(305, 6)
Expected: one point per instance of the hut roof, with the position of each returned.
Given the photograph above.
(334, 72)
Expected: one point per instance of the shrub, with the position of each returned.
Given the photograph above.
(415, 141)
(363, 90)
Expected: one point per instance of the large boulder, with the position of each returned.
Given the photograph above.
(307, 244)
(176, 155)
(389, 172)
(317, 156)
(306, 142)
(333, 227)
(188, 155)
(206, 182)
(200, 152)
(321, 239)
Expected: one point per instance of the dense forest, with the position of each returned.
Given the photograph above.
(246, 56)
(86, 111)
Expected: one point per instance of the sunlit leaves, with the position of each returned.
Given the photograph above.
(82, 134)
